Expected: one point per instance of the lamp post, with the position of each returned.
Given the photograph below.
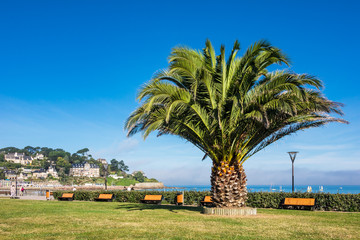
(292, 157)
(106, 173)
(16, 172)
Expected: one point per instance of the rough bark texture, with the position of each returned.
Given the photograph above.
(228, 185)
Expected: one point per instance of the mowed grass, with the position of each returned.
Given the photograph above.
(24, 219)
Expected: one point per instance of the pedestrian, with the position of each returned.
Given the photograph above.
(13, 191)
(22, 191)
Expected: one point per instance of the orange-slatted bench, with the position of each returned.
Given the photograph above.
(66, 197)
(299, 202)
(180, 199)
(155, 199)
(105, 197)
(207, 201)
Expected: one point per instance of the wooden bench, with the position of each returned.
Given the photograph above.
(155, 199)
(179, 199)
(207, 201)
(66, 197)
(299, 203)
(105, 197)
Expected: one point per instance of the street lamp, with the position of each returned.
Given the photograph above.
(292, 157)
(16, 182)
(106, 173)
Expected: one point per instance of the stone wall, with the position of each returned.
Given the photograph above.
(150, 185)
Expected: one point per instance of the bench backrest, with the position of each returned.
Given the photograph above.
(106, 196)
(207, 199)
(67, 195)
(180, 198)
(153, 197)
(300, 201)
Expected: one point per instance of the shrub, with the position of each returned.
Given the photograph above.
(323, 201)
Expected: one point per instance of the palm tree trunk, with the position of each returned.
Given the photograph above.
(228, 185)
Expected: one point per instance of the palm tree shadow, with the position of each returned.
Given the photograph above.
(171, 208)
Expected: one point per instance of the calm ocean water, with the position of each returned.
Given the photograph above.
(355, 189)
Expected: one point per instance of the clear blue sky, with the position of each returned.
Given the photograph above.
(70, 70)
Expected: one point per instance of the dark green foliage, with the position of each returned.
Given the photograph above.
(122, 166)
(83, 151)
(323, 201)
(11, 150)
(139, 176)
(116, 165)
(10, 165)
(30, 150)
(54, 155)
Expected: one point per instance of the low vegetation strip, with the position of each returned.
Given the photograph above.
(323, 201)
(20, 219)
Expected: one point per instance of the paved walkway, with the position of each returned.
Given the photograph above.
(33, 198)
(30, 197)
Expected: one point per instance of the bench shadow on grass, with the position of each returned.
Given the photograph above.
(171, 208)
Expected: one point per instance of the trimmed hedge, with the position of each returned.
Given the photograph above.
(323, 201)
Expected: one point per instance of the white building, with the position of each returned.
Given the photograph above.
(135, 172)
(51, 170)
(10, 174)
(115, 176)
(85, 170)
(39, 173)
(18, 158)
(103, 162)
(39, 156)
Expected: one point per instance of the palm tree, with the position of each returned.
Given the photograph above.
(230, 109)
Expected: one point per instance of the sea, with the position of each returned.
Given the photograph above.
(353, 189)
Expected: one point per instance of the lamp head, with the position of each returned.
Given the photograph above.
(292, 155)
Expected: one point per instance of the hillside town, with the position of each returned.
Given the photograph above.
(46, 164)
(77, 170)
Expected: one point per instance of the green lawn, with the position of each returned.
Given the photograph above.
(21, 219)
(121, 181)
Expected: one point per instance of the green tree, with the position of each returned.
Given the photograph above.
(114, 165)
(122, 166)
(67, 157)
(46, 151)
(45, 164)
(75, 158)
(10, 150)
(62, 163)
(118, 166)
(83, 151)
(230, 108)
(30, 150)
(54, 155)
(139, 176)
